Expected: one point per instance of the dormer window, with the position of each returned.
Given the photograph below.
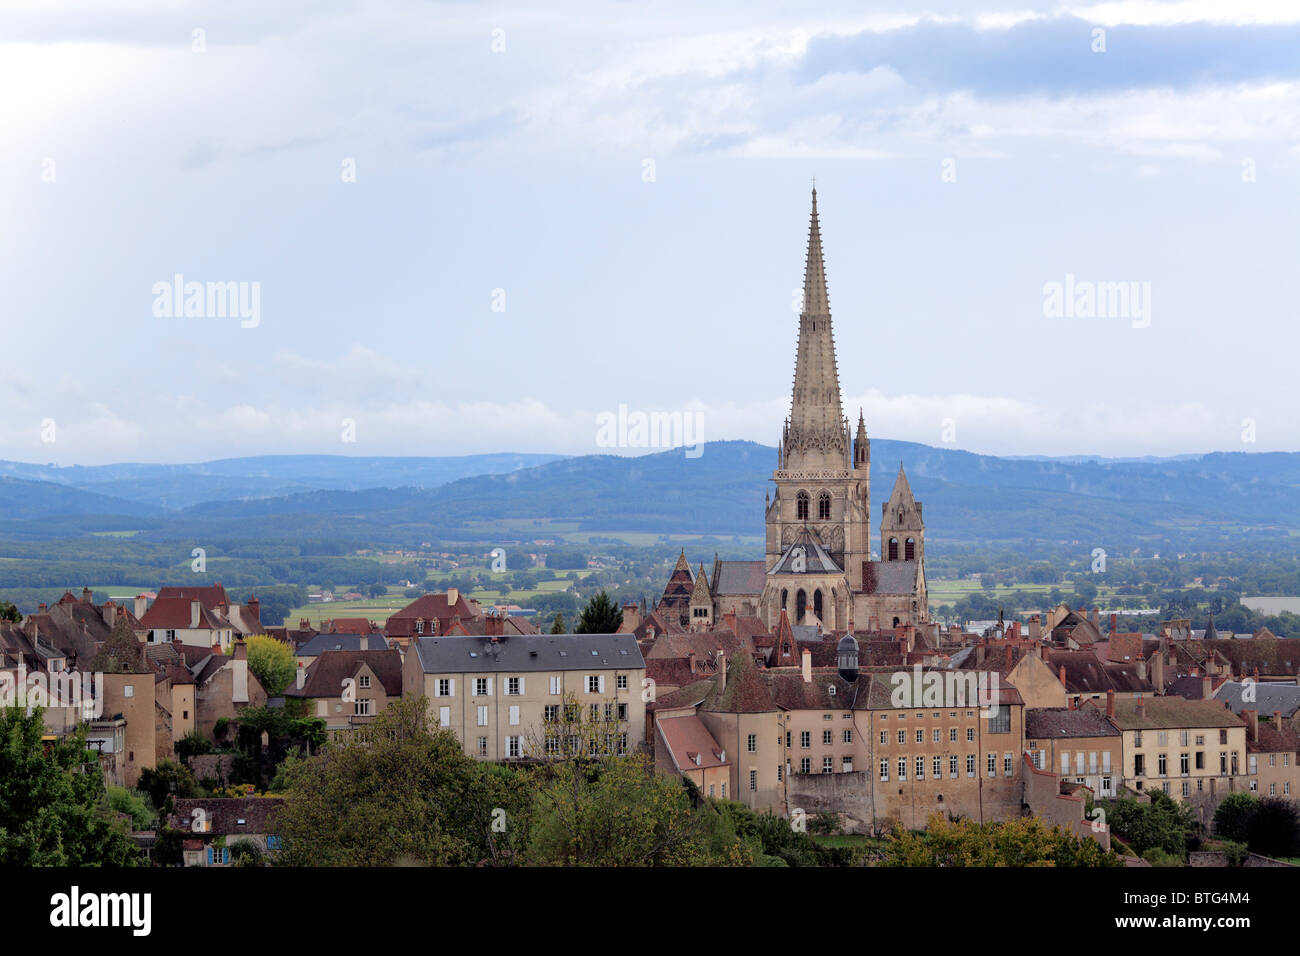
(419, 626)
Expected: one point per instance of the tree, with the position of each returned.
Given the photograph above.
(1232, 816)
(557, 625)
(599, 616)
(1274, 828)
(397, 792)
(1025, 841)
(168, 779)
(134, 804)
(54, 809)
(1163, 823)
(9, 612)
(271, 662)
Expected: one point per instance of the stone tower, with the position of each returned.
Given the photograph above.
(823, 476)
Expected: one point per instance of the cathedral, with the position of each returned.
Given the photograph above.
(819, 566)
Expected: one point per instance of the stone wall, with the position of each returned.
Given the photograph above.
(846, 794)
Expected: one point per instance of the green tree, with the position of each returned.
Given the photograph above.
(557, 625)
(168, 779)
(1163, 823)
(133, 803)
(600, 615)
(396, 792)
(1232, 816)
(9, 612)
(1025, 841)
(271, 662)
(1274, 828)
(54, 808)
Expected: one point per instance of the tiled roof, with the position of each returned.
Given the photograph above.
(826, 691)
(1172, 712)
(740, 577)
(341, 642)
(229, 816)
(1273, 739)
(688, 695)
(815, 559)
(176, 613)
(690, 744)
(327, 673)
(893, 577)
(746, 691)
(1048, 723)
(429, 607)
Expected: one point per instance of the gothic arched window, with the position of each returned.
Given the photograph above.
(893, 549)
(800, 605)
(824, 505)
(801, 506)
(909, 549)
(817, 603)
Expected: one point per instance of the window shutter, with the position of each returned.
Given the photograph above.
(521, 686)
(514, 716)
(489, 686)
(452, 687)
(210, 856)
(601, 683)
(444, 716)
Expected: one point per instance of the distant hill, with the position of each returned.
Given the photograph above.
(1223, 497)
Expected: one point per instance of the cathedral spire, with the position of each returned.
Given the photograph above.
(816, 434)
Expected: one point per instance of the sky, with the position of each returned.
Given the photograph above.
(1049, 229)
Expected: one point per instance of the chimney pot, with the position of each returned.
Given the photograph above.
(1110, 702)
(807, 666)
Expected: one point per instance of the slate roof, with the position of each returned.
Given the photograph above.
(528, 652)
(791, 692)
(1054, 723)
(740, 577)
(1268, 697)
(1273, 739)
(688, 695)
(891, 577)
(816, 558)
(326, 674)
(341, 642)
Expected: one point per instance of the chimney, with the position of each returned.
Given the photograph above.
(1277, 719)
(42, 608)
(86, 596)
(1035, 627)
(240, 653)
(1061, 674)
(807, 666)
(1009, 656)
(1141, 708)
(302, 675)
(304, 624)
(365, 643)
(691, 658)
(1072, 702)
(721, 658)
(979, 653)
(453, 595)
(1095, 617)
(1207, 687)
(110, 614)
(631, 617)
(141, 605)
(1114, 618)
(494, 626)
(195, 614)
(1252, 723)
(1158, 671)
(1110, 702)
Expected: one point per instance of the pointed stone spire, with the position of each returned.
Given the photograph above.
(682, 563)
(700, 593)
(816, 435)
(902, 490)
(861, 445)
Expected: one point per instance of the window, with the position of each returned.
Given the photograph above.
(593, 684)
(752, 743)
(805, 765)
(884, 769)
(482, 746)
(902, 768)
(828, 764)
(514, 686)
(848, 736)
(1162, 739)
(970, 765)
(620, 682)
(1106, 785)
(920, 768)
(419, 627)
(724, 791)
(753, 781)
(884, 737)
(828, 737)
(970, 735)
(1184, 737)
(550, 713)
(823, 506)
(935, 735)
(361, 708)
(847, 765)
(936, 768)
(1000, 721)
(805, 739)
(1184, 764)
(1139, 765)
(555, 684)
(443, 688)
(1008, 764)
(609, 712)
(780, 773)
(480, 686)
(952, 766)
(1187, 788)
(364, 681)
(902, 736)
(621, 710)
(128, 690)
(920, 736)
(1272, 790)
(801, 506)
(1223, 736)
(513, 748)
(952, 735)
(993, 765)
(594, 711)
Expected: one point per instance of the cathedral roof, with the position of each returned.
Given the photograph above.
(892, 577)
(739, 577)
(700, 593)
(815, 558)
